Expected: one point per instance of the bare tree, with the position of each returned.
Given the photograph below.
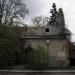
(40, 21)
(12, 11)
(45, 21)
(37, 20)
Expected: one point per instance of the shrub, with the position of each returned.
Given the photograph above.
(7, 52)
(62, 34)
(38, 58)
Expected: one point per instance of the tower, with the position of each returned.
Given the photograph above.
(60, 20)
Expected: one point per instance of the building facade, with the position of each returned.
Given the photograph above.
(53, 37)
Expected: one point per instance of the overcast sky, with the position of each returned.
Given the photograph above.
(42, 7)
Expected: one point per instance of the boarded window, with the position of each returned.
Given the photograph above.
(28, 49)
(47, 30)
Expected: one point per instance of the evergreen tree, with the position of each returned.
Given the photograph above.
(53, 16)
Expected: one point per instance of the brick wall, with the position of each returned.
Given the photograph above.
(57, 48)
